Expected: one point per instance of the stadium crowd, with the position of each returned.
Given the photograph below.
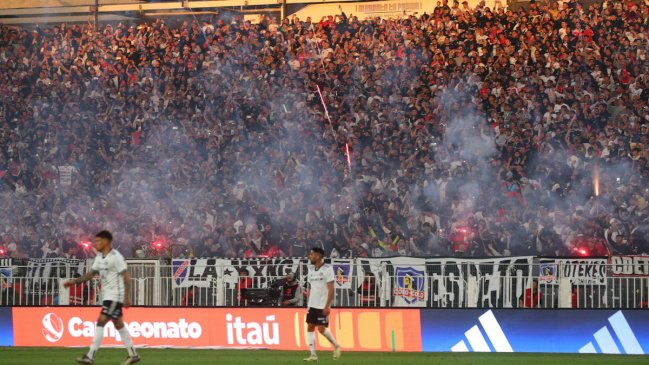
(469, 132)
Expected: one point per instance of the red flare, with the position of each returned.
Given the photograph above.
(349, 156)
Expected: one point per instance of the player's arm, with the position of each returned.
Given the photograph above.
(329, 278)
(330, 298)
(82, 279)
(119, 264)
(127, 289)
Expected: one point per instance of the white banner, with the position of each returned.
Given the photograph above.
(448, 281)
(579, 271)
(265, 271)
(375, 267)
(496, 281)
(501, 281)
(55, 268)
(410, 282)
(630, 266)
(203, 273)
(65, 175)
(43, 274)
(403, 280)
(195, 272)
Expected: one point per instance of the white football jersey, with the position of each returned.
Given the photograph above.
(318, 280)
(110, 268)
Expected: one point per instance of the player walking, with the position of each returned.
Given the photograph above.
(321, 294)
(116, 291)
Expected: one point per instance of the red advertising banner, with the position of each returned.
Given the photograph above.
(280, 329)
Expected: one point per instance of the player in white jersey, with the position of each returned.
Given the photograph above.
(321, 295)
(116, 291)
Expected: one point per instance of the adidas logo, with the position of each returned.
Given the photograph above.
(477, 341)
(607, 344)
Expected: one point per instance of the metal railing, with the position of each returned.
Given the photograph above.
(379, 286)
(37, 291)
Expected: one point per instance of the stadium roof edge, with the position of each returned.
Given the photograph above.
(110, 12)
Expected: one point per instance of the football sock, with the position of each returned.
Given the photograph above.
(310, 337)
(96, 342)
(330, 337)
(126, 339)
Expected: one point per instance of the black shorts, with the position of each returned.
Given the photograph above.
(112, 310)
(315, 316)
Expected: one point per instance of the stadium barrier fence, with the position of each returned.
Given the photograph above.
(401, 282)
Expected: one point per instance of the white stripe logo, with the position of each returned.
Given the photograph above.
(478, 342)
(606, 343)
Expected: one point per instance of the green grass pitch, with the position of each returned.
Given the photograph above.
(61, 356)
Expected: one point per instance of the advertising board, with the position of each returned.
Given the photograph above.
(272, 328)
(413, 330)
(536, 330)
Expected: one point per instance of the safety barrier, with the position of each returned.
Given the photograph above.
(392, 282)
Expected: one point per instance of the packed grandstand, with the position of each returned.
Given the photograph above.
(466, 132)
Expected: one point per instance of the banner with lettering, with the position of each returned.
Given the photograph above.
(200, 273)
(579, 271)
(265, 271)
(629, 266)
(55, 268)
(501, 281)
(204, 272)
(401, 281)
(408, 281)
(447, 282)
(43, 274)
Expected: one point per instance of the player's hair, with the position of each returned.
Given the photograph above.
(318, 250)
(105, 234)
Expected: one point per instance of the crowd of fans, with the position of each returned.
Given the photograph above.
(469, 132)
